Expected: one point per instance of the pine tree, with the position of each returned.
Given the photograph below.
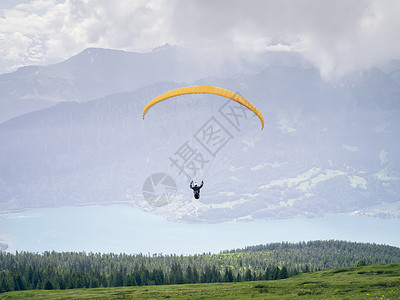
(189, 275)
(247, 275)
(228, 276)
(216, 275)
(144, 275)
(19, 283)
(48, 285)
(306, 269)
(94, 283)
(117, 278)
(275, 273)
(176, 274)
(267, 274)
(4, 286)
(157, 276)
(195, 275)
(206, 277)
(283, 273)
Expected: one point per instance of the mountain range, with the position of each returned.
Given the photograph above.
(73, 134)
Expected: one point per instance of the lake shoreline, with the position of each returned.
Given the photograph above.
(126, 229)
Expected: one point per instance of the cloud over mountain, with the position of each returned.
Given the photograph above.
(336, 36)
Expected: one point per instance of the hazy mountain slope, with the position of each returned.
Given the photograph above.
(91, 74)
(95, 73)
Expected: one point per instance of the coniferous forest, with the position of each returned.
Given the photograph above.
(69, 270)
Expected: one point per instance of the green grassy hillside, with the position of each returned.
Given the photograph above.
(368, 282)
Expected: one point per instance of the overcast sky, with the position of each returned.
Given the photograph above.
(337, 36)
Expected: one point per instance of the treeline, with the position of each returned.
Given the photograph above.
(68, 270)
(321, 255)
(28, 278)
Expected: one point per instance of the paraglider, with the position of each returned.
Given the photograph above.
(205, 89)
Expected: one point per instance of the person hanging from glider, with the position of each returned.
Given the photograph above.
(196, 189)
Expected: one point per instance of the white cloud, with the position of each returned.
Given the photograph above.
(48, 31)
(385, 175)
(357, 181)
(293, 181)
(326, 175)
(350, 148)
(338, 36)
(263, 165)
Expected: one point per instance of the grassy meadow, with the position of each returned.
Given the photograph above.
(368, 282)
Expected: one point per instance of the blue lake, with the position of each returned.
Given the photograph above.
(129, 230)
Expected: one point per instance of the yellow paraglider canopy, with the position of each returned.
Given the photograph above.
(205, 89)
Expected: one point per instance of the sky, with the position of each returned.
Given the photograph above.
(337, 36)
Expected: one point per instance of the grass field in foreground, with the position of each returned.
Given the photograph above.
(369, 282)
